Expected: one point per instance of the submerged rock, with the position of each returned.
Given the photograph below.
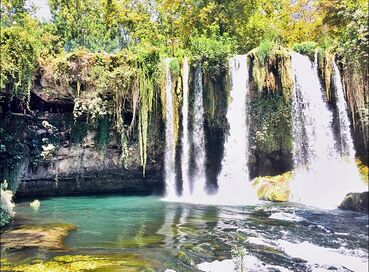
(357, 202)
(77, 263)
(273, 188)
(49, 236)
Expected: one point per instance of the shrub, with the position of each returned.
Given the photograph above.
(18, 62)
(7, 204)
(305, 48)
(212, 52)
(266, 49)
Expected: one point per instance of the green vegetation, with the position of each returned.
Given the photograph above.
(7, 205)
(270, 132)
(18, 63)
(108, 58)
(306, 48)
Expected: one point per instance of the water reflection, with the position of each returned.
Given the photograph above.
(183, 236)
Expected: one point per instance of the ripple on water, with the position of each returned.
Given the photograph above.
(274, 237)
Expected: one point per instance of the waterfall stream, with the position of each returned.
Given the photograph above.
(170, 174)
(322, 176)
(185, 158)
(233, 181)
(198, 138)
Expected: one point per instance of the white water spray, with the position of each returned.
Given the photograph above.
(185, 158)
(170, 174)
(233, 181)
(322, 178)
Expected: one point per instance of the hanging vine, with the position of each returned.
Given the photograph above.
(146, 87)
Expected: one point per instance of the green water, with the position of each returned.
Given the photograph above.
(186, 237)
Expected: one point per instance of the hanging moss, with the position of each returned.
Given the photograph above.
(177, 106)
(146, 86)
(78, 131)
(102, 136)
(325, 68)
(216, 94)
(271, 69)
(13, 148)
(176, 80)
(174, 68)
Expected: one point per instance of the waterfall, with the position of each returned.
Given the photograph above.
(185, 157)
(170, 175)
(198, 138)
(321, 175)
(195, 190)
(346, 144)
(233, 181)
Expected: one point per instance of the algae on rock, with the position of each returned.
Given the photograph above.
(81, 263)
(273, 188)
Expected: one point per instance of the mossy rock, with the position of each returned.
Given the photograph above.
(356, 202)
(364, 170)
(76, 263)
(273, 188)
(50, 236)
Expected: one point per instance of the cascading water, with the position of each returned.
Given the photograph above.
(346, 146)
(170, 174)
(185, 158)
(198, 138)
(193, 186)
(321, 175)
(233, 181)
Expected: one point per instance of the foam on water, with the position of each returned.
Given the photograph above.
(251, 263)
(286, 217)
(323, 258)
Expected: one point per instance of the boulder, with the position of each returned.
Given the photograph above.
(273, 188)
(357, 202)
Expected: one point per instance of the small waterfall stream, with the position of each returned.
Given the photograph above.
(346, 144)
(185, 158)
(233, 181)
(322, 177)
(170, 174)
(198, 138)
(347, 149)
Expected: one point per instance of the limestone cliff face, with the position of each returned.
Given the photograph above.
(48, 153)
(83, 169)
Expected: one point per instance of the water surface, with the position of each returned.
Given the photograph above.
(188, 237)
